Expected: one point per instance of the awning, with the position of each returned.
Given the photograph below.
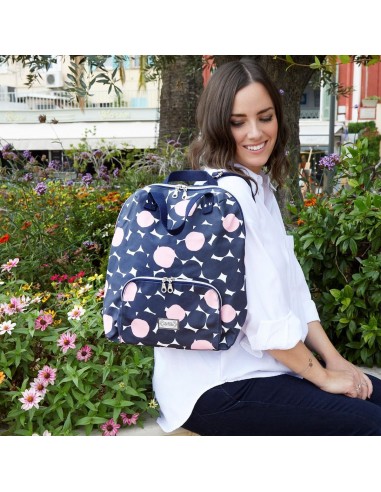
(50, 136)
(316, 133)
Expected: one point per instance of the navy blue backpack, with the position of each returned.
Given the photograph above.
(176, 273)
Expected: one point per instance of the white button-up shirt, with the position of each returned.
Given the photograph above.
(279, 308)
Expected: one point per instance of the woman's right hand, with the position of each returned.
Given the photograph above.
(343, 382)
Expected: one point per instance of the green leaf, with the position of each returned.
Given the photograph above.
(335, 293)
(353, 183)
(344, 58)
(90, 420)
(346, 302)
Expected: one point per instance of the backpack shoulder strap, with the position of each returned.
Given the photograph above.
(222, 174)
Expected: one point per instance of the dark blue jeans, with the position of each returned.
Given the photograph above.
(283, 406)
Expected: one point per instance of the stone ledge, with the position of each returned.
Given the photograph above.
(152, 428)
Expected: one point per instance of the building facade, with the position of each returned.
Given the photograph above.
(46, 118)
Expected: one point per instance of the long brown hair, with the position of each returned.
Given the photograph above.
(215, 146)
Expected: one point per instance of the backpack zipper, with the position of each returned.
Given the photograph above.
(168, 287)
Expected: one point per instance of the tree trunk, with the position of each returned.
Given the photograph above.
(181, 88)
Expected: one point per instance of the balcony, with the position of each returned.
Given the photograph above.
(131, 121)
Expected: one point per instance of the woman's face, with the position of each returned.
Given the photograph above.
(254, 126)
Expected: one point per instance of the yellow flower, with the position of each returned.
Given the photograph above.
(2, 377)
(26, 287)
(51, 312)
(95, 277)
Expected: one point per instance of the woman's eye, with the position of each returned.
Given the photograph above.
(267, 119)
(236, 123)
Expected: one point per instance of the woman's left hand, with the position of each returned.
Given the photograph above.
(363, 384)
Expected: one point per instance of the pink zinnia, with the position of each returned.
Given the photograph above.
(30, 399)
(7, 267)
(42, 322)
(40, 385)
(129, 419)
(110, 428)
(66, 341)
(17, 304)
(47, 374)
(84, 353)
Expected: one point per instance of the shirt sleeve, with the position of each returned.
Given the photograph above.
(278, 299)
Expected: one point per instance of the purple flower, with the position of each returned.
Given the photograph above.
(329, 161)
(7, 148)
(116, 172)
(100, 207)
(10, 156)
(87, 178)
(69, 182)
(97, 154)
(28, 177)
(281, 92)
(27, 154)
(85, 155)
(40, 188)
(54, 164)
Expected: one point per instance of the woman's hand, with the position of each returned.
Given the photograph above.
(361, 386)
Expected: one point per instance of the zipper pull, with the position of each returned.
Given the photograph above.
(185, 195)
(170, 286)
(176, 192)
(163, 286)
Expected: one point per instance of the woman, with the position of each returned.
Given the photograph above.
(269, 382)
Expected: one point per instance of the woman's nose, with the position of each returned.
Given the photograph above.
(253, 130)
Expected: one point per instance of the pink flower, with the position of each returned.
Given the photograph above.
(42, 322)
(100, 294)
(129, 419)
(66, 341)
(40, 385)
(17, 305)
(6, 327)
(30, 399)
(47, 374)
(7, 267)
(84, 353)
(110, 428)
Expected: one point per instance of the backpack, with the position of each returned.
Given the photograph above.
(176, 273)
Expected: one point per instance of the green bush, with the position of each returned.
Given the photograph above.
(338, 243)
(368, 130)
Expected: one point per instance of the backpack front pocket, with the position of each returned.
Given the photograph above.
(170, 312)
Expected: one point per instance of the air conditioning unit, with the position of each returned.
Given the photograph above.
(54, 79)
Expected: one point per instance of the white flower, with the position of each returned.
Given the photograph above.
(45, 433)
(6, 327)
(76, 312)
(84, 289)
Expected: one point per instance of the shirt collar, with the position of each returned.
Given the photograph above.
(260, 178)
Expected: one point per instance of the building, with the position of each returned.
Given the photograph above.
(46, 119)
